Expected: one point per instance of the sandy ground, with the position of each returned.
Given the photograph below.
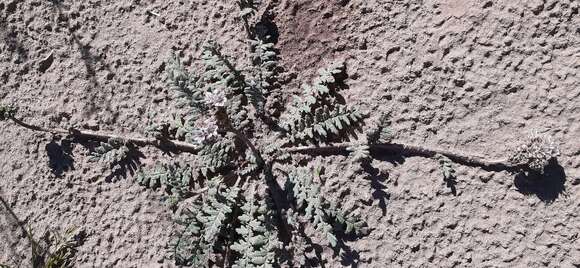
(474, 76)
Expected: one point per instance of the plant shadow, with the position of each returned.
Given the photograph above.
(378, 186)
(267, 30)
(128, 166)
(60, 157)
(348, 256)
(547, 186)
(89, 60)
(394, 158)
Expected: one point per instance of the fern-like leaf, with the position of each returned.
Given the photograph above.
(188, 87)
(216, 155)
(324, 125)
(182, 128)
(264, 77)
(205, 224)
(247, 7)
(173, 178)
(221, 75)
(250, 167)
(380, 132)
(112, 153)
(317, 116)
(254, 91)
(259, 242)
(63, 249)
(323, 214)
(446, 168)
(310, 202)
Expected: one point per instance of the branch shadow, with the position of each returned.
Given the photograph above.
(548, 186)
(394, 158)
(89, 60)
(10, 38)
(11, 231)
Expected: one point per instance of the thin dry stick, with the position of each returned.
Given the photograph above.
(343, 148)
(90, 135)
(407, 149)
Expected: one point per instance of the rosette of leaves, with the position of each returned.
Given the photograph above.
(226, 227)
(225, 149)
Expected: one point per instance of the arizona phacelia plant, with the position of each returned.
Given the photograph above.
(246, 198)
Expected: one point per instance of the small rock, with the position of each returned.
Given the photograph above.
(159, 98)
(45, 63)
(485, 177)
(92, 125)
(537, 6)
(459, 82)
(404, 99)
(508, 41)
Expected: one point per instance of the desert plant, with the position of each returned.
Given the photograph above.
(53, 250)
(230, 204)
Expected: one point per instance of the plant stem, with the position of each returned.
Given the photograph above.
(97, 136)
(255, 151)
(342, 148)
(408, 149)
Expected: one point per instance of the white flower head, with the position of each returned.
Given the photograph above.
(217, 98)
(535, 152)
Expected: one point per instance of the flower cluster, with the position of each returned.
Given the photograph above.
(217, 98)
(536, 152)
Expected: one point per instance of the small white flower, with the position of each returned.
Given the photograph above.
(207, 131)
(216, 98)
